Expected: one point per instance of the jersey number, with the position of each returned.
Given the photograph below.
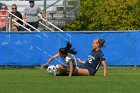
(90, 60)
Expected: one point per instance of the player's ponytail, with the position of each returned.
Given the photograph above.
(68, 46)
(68, 49)
(101, 43)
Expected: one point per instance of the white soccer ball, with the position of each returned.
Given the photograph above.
(52, 70)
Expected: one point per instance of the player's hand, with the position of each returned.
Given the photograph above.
(44, 66)
(78, 59)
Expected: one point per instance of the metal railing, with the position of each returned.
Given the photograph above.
(53, 4)
(10, 23)
(58, 29)
(68, 15)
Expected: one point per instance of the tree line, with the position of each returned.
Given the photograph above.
(102, 15)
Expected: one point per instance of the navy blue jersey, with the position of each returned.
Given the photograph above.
(95, 59)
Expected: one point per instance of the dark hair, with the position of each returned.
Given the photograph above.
(101, 43)
(14, 5)
(67, 49)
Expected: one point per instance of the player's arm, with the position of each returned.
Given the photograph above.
(71, 68)
(104, 67)
(79, 60)
(52, 58)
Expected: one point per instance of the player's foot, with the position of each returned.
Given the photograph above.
(44, 66)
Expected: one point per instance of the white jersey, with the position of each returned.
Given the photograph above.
(71, 57)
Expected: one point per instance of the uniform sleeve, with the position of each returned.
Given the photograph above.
(67, 59)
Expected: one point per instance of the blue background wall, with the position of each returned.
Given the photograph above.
(24, 48)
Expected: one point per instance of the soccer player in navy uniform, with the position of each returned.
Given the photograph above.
(95, 59)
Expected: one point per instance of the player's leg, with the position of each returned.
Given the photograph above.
(61, 69)
(82, 72)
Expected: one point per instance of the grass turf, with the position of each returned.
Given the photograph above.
(118, 80)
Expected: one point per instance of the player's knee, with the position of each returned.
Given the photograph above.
(59, 66)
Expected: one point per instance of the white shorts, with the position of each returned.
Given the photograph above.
(68, 68)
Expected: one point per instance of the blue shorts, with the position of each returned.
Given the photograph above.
(91, 70)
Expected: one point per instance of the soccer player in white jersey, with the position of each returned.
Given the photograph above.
(67, 55)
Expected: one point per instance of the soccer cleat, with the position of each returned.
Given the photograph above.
(44, 66)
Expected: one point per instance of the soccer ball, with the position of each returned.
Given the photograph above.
(52, 70)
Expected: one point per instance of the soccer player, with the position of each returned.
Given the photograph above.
(95, 59)
(67, 55)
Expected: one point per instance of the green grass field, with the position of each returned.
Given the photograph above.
(118, 80)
